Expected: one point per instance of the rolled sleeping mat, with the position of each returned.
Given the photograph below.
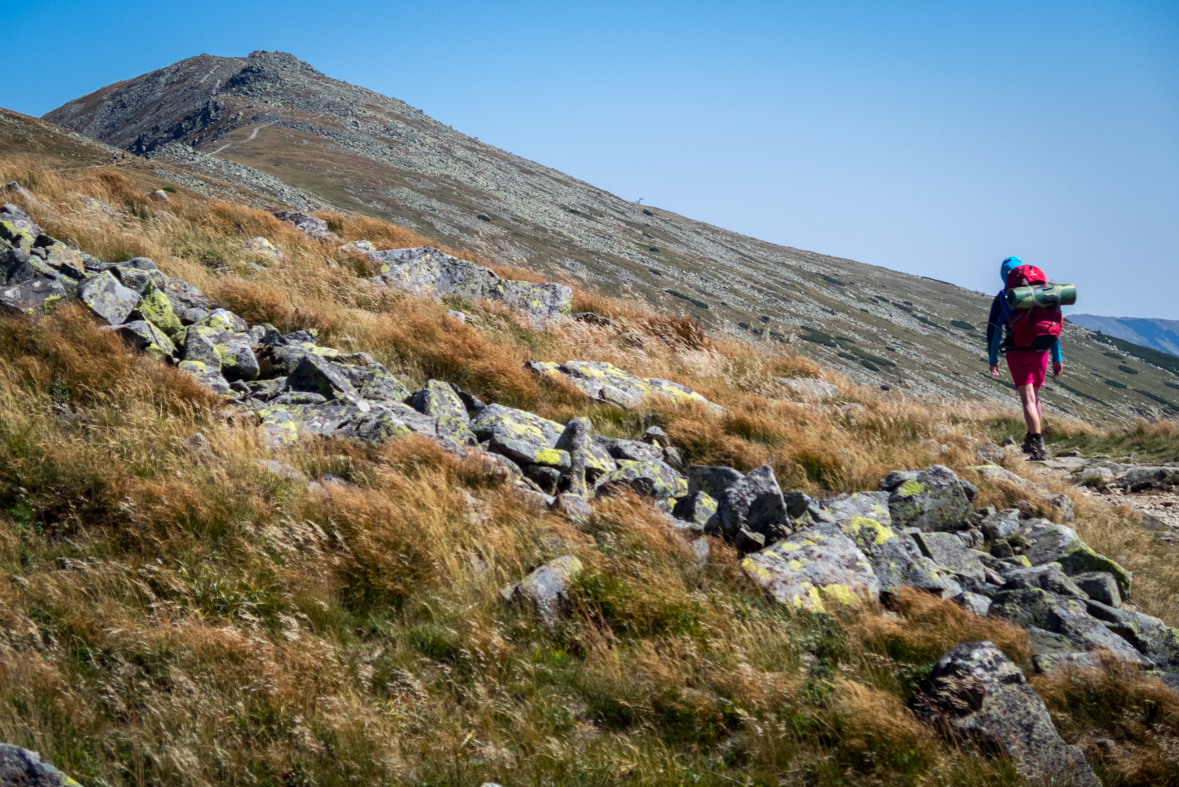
(1047, 295)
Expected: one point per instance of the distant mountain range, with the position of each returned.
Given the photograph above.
(1162, 335)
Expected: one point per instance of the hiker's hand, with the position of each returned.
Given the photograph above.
(1057, 369)
(994, 371)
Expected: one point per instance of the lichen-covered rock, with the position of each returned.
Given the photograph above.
(309, 225)
(439, 400)
(501, 424)
(754, 503)
(107, 298)
(1047, 577)
(812, 569)
(652, 478)
(1000, 524)
(155, 307)
(1033, 608)
(233, 351)
(605, 382)
(809, 388)
(1150, 636)
(17, 229)
(576, 441)
(148, 339)
(546, 590)
(1048, 542)
(525, 453)
(895, 557)
(1099, 586)
(427, 271)
(712, 480)
(932, 499)
(628, 450)
(39, 295)
(261, 247)
(698, 508)
(188, 303)
(317, 374)
(208, 375)
(225, 320)
(375, 383)
(977, 695)
(1140, 478)
(869, 505)
(948, 551)
(137, 273)
(23, 768)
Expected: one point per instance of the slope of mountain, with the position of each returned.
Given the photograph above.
(273, 124)
(1161, 335)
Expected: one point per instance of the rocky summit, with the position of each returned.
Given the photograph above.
(274, 125)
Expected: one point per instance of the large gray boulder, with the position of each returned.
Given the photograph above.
(17, 229)
(317, 374)
(1149, 635)
(869, 505)
(651, 478)
(977, 695)
(812, 569)
(23, 768)
(498, 424)
(39, 295)
(309, 225)
(605, 382)
(1037, 609)
(754, 503)
(1047, 542)
(895, 557)
(546, 590)
(427, 271)
(439, 400)
(1140, 478)
(932, 499)
(107, 298)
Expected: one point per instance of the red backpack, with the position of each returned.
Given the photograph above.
(1037, 328)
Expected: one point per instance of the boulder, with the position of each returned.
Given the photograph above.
(869, 505)
(38, 295)
(629, 450)
(1033, 608)
(605, 382)
(932, 499)
(977, 695)
(649, 479)
(1048, 542)
(1099, 586)
(375, 383)
(208, 375)
(809, 388)
(712, 480)
(107, 298)
(23, 768)
(188, 303)
(896, 559)
(576, 441)
(1047, 577)
(225, 320)
(154, 307)
(812, 569)
(1140, 478)
(1000, 524)
(697, 508)
(501, 424)
(427, 271)
(754, 503)
(147, 338)
(546, 590)
(1150, 636)
(439, 400)
(948, 551)
(309, 225)
(317, 374)
(526, 454)
(17, 229)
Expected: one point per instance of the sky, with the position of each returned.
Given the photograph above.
(935, 138)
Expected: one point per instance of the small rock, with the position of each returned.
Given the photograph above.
(23, 768)
(108, 299)
(546, 589)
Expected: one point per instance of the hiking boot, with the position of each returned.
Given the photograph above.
(1037, 453)
(1026, 446)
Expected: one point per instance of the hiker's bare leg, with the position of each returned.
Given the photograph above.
(1028, 395)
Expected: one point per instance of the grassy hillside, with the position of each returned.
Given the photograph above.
(347, 148)
(176, 614)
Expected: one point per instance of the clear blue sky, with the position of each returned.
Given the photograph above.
(930, 137)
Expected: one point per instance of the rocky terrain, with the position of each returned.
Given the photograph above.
(273, 125)
(921, 531)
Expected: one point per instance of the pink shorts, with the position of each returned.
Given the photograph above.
(1028, 367)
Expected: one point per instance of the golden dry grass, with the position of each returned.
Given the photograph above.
(181, 617)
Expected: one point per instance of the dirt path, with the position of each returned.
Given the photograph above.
(1159, 508)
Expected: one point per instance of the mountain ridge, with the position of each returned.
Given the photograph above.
(1157, 334)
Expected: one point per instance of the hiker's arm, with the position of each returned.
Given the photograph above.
(1057, 359)
(993, 346)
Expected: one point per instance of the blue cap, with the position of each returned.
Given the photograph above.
(1009, 264)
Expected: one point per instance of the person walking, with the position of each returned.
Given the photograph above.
(1028, 340)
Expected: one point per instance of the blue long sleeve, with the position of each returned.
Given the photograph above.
(1056, 355)
(993, 348)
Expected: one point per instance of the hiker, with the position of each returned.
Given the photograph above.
(1027, 338)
